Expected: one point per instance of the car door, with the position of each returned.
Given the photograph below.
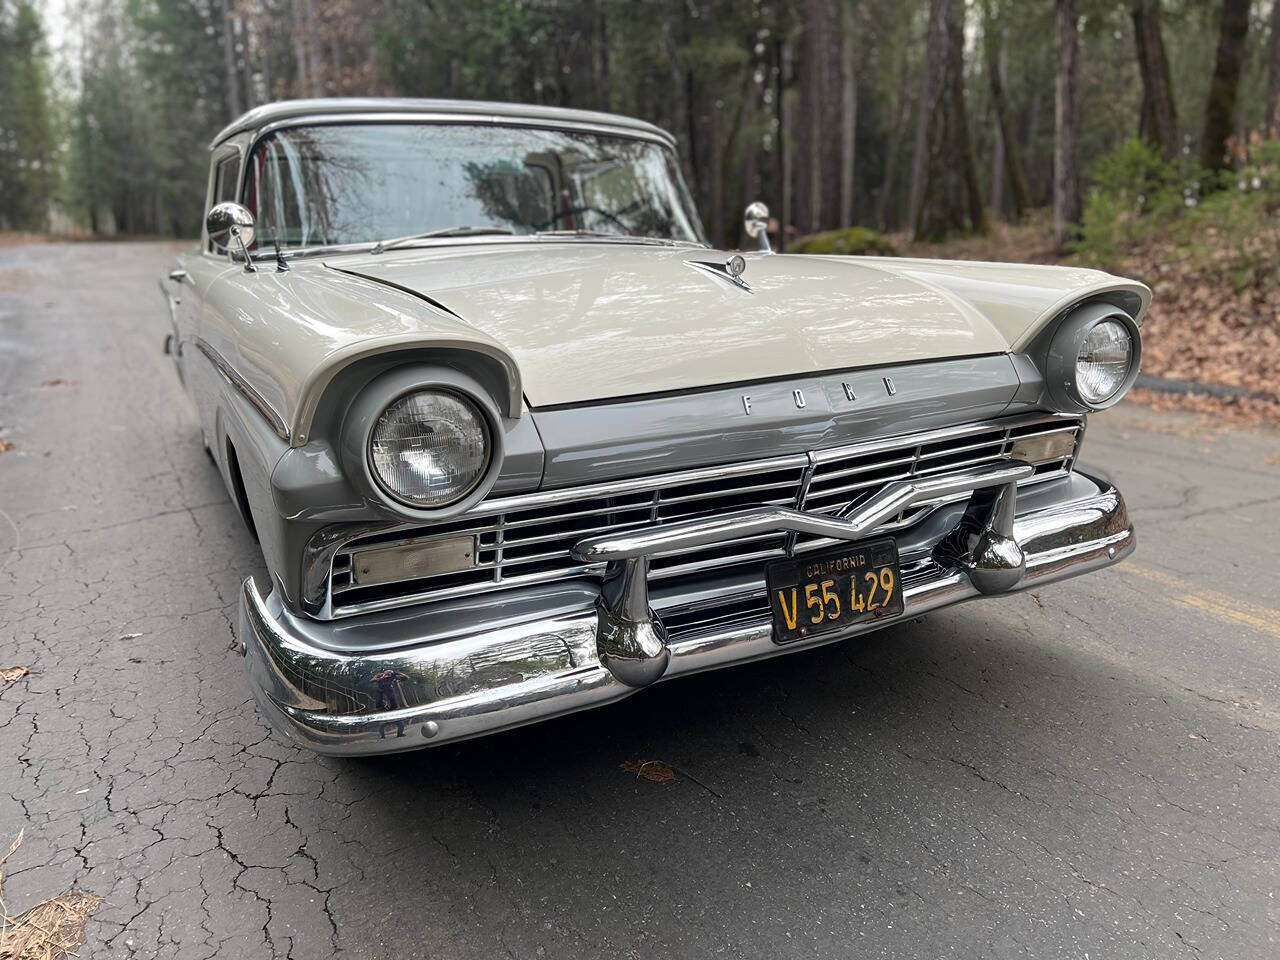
(189, 284)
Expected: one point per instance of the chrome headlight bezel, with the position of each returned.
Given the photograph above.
(1062, 361)
(390, 388)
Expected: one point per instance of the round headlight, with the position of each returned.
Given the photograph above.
(1103, 364)
(430, 448)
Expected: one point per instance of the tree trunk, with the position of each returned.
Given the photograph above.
(1066, 140)
(924, 108)
(691, 121)
(811, 105)
(848, 110)
(787, 149)
(963, 143)
(1273, 76)
(901, 116)
(752, 184)
(1159, 123)
(235, 106)
(1220, 108)
(268, 81)
(603, 93)
(312, 73)
(716, 185)
(727, 154)
(1008, 138)
(950, 192)
(302, 82)
(784, 142)
(995, 196)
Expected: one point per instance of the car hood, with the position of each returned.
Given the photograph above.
(591, 321)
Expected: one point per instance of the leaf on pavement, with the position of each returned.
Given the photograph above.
(57, 382)
(5, 445)
(13, 675)
(130, 636)
(13, 847)
(655, 771)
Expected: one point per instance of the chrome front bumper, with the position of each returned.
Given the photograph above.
(349, 687)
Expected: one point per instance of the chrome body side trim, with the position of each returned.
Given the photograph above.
(246, 389)
(429, 689)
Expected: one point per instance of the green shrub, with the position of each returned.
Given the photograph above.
(851, 241)
(1136, 176)
(1132, 192)
(1227, 222)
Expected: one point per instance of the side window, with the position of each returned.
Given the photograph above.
(226, 181)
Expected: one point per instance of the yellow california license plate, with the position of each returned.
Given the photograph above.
(834, 589)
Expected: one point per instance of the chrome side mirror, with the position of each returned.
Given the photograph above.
(229, 223)
(756, 223)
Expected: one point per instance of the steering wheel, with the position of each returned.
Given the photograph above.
(574, 211)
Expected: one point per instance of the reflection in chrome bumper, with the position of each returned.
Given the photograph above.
(448, 689)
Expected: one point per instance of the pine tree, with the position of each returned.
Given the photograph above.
(28, 151)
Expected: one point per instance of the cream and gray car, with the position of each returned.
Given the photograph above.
(517, 441)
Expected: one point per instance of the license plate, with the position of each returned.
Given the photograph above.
(834, 589)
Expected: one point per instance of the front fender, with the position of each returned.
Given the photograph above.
(1021, 299)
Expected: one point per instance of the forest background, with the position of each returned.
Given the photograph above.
(1133, 135)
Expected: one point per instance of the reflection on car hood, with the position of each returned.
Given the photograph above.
(591, 321)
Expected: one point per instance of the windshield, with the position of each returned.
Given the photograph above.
(359, 183)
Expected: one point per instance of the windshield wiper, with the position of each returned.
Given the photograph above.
(461, 231)
(579, 233)
(620, 237)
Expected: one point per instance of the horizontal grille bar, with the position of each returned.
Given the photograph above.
(526, 539)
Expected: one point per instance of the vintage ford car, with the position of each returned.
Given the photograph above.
(516, 441)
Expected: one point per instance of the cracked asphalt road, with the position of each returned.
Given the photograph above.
(1090, 771)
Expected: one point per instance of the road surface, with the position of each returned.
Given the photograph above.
(1088, 771)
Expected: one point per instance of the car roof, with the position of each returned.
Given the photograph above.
(475, 111)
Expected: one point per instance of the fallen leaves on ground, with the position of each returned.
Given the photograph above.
(5, 445)
(56, 382)
(13, 675)
(1239, 410)
(654, 771)
(50, 930)
(130, 636)
(17, 238)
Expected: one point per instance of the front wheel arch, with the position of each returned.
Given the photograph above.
(238, 493)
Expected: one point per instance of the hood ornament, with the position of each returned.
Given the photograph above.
(730, 270)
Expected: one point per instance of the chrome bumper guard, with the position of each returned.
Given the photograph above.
(386, 699)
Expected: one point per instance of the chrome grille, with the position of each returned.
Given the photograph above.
(526, 539)
(845, 477)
